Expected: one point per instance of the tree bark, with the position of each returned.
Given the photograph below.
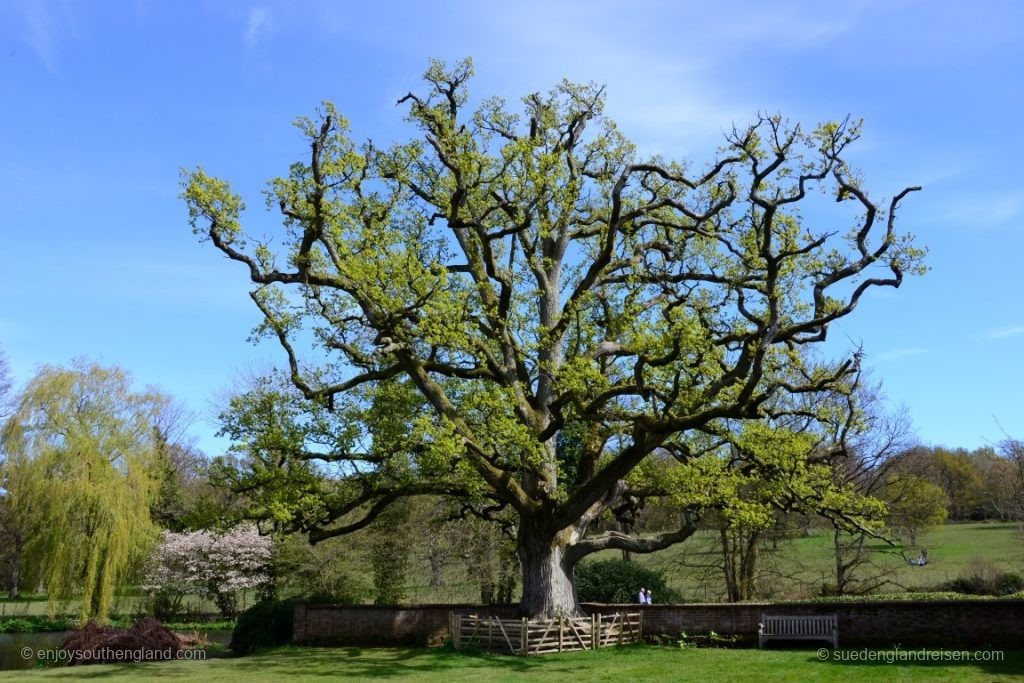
(626, 528)
(15, 575)
(548, 587)
(837, 543)
(436, 558)
(729, 566)
(748, 567)
(739, 563)
(15, 566)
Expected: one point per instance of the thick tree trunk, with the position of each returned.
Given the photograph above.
(739, 563)
(548, 588)
(749, 566)
(729, 566)
(15, 566)
(806, 528)
(840, 565)
(436, 558)
(15, 576)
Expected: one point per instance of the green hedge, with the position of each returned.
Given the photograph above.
(618, 582)
(47, 625)
(910, 597)
(35, 624)
(265, 624)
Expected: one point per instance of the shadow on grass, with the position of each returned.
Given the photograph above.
(351, 662)
(391, 663)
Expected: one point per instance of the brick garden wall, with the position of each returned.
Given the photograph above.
(948, 623)
(375, 625)
(951, 624)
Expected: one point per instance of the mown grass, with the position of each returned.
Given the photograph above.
(634, 663)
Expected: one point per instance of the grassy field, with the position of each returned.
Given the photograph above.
(634, 663)
(799, 567)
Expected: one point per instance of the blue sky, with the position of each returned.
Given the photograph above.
(104, 102)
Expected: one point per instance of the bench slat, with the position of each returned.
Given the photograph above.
(802, 627)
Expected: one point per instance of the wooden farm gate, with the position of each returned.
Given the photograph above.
(538, 637)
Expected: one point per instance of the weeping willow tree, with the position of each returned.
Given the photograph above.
(78, 478)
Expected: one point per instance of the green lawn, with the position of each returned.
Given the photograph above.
(635, 663)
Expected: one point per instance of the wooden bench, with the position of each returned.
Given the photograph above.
(804, 627)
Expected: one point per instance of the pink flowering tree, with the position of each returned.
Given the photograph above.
(218, 565)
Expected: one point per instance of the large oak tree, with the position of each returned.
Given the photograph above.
(509, 275)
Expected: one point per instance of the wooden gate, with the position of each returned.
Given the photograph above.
(539, 636)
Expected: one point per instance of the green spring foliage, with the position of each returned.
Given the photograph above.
(79, 479)
(619, 582)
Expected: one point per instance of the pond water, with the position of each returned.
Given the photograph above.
(15, 646)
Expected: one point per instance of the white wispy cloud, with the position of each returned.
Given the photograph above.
(673, 102)
(256, 25)
(1002, 333)
(895, 354)
(40, 35)
(51, 29)
(984, 210)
